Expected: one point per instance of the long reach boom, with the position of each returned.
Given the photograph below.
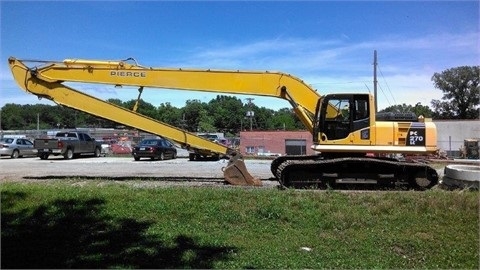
(47, 81)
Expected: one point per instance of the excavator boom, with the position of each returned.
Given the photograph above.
(33, 81)
(121, 73)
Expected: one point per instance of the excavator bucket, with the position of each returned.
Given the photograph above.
(236, 173)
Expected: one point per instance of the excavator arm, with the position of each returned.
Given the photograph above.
(33, 81)
(122, 73)
(47, 81)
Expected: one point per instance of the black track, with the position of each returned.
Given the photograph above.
(308, 171)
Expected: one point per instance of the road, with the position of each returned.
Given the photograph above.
(178, 171)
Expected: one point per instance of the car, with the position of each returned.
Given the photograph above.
(154, 149)
(210, 137)
(16, 147)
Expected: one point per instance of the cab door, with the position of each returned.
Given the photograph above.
(344, 116)
(88, 144)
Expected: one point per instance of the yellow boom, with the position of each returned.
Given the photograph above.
(273, 84)
(47, 82)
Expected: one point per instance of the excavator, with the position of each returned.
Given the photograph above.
(352, 141)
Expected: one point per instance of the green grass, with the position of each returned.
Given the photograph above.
(98, 225)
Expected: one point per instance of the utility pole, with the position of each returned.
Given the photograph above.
(38, 125)
(250, 113)
(1, 130)
(375, 78)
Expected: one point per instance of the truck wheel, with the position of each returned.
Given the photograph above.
(15, 154)
(68, 154)
(97, 152)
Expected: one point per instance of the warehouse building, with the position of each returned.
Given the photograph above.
(452, 134)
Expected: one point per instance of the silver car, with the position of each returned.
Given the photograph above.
(16, 147)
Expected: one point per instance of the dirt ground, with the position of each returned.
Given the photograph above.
(178, 171)
(124, 170)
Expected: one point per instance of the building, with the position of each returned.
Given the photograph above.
(275, 143)
(451, 136)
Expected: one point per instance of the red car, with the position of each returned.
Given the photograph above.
(154, 149)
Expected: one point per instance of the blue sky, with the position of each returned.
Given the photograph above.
(329, 45)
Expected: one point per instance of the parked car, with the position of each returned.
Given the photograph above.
(68, 144)
(154, 149)
(16, 147)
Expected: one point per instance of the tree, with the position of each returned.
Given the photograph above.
(222, 114)
(195, 115)
(285, 119)
(143, 107)
(169, 114)
(12, 117)
(263, 118)
(227, 113)
(116, 101)
(418, 109)
(460, 93)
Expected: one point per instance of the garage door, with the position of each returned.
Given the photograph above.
(295, 147)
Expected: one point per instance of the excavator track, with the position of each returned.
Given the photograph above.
(322, 173)
(281, 159)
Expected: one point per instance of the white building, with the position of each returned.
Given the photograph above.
(451, 134)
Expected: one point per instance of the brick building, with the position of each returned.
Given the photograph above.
(272, 143)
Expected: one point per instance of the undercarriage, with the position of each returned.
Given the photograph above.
(317, 171)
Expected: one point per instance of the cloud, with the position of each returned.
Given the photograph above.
(406, 65)
(311, 51)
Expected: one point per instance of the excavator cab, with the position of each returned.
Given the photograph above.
(339, 115)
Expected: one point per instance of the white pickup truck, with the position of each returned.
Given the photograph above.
(68, 144)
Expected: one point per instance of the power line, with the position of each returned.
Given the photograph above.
(388, 87)
(383, 92)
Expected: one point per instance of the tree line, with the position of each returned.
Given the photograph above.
(460, 87)
(223, 114)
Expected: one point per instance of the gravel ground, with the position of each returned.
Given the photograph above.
(178, 171)
(124, 170)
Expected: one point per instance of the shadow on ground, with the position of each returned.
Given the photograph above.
(126, 178)
(78, 234)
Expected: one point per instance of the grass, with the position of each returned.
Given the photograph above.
(65, 225)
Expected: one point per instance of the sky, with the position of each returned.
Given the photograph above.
(328, 44)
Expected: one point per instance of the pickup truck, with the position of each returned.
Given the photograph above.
(68, 144)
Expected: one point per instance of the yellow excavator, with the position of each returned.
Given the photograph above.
(348, 134)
